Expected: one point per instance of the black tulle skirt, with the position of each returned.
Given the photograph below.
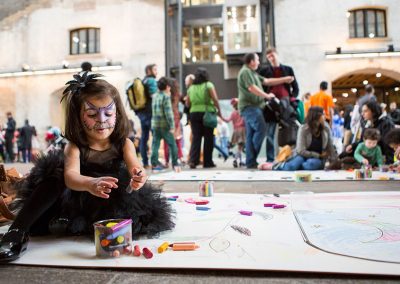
(74, 212)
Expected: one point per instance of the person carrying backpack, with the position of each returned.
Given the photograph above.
(145, 113)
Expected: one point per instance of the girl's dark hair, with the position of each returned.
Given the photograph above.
(375, 108)
(201, 76)
(312, 120)
(393, 136)
(74, 129)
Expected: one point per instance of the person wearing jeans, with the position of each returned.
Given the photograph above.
(301, 163)
(251, 103)
(150, 85)
(270, 142)
(255, 133)
(145, 125)
(314, 144)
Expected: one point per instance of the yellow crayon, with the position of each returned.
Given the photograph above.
(163, 247)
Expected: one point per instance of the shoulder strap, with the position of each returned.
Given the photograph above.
(206, 92)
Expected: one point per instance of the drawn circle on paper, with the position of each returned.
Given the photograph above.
(219, 244)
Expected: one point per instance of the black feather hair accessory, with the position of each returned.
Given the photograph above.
(79, 82)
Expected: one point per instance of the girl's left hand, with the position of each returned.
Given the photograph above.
(139, 178)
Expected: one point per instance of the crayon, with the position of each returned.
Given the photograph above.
(278, 206)
(118, 233)
(202, 202)
(276, 194)
(173, 196)
(147, 253)
(201, 208)
(171, 199)
(182, 247)
(247, 213)
(121, 224)
(182, 243)
(163, 247)
(269, 204)
(136, 251)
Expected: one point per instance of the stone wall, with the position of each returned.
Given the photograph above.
(132, 32)
(305, 30)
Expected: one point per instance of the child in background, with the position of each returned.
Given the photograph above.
(368, 153)
(98, 176)
(392, 138)
(239, 135)
(163, 124)
(223, 137)
(178, 133)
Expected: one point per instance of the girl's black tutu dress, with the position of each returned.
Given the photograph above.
(74, 212)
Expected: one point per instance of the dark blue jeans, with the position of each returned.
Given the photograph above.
(145, 123)
(270, 147)
(300, 163)
(256, 129)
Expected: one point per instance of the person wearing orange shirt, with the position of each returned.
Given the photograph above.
(324, 100)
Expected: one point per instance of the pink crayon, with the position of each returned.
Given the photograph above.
(278, 206)
(247, 213)
(269, 204)
(121, 224)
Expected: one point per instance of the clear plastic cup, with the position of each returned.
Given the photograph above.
(113, 237)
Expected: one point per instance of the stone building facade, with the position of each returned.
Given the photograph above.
(38, 50)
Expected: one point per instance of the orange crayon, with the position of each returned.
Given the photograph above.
(184, 246)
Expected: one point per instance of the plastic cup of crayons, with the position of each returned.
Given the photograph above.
(206, 188)
(113, 237)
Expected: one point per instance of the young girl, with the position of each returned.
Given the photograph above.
(98, 177)
(239, 135)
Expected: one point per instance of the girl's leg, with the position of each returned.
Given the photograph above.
(313, 164)
(293, 164)
(36, 212)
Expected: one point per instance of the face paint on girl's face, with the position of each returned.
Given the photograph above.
(96, 118)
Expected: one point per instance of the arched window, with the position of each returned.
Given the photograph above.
(84, 40)
(367, 23)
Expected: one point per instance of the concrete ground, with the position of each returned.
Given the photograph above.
(32, 274)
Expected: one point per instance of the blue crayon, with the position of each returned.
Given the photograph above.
(118, 233)
(202, 208)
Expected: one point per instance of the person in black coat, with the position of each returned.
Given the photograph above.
(285, 91)
(26, 133)
(9, 136)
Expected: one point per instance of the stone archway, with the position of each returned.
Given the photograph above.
(56, 109)
(348, 87)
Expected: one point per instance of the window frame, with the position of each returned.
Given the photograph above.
(87, 30)
(210, 44)
(209, 3)
(365, 24)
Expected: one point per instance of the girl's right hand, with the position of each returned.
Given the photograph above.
(102, 186)
(349, 148)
